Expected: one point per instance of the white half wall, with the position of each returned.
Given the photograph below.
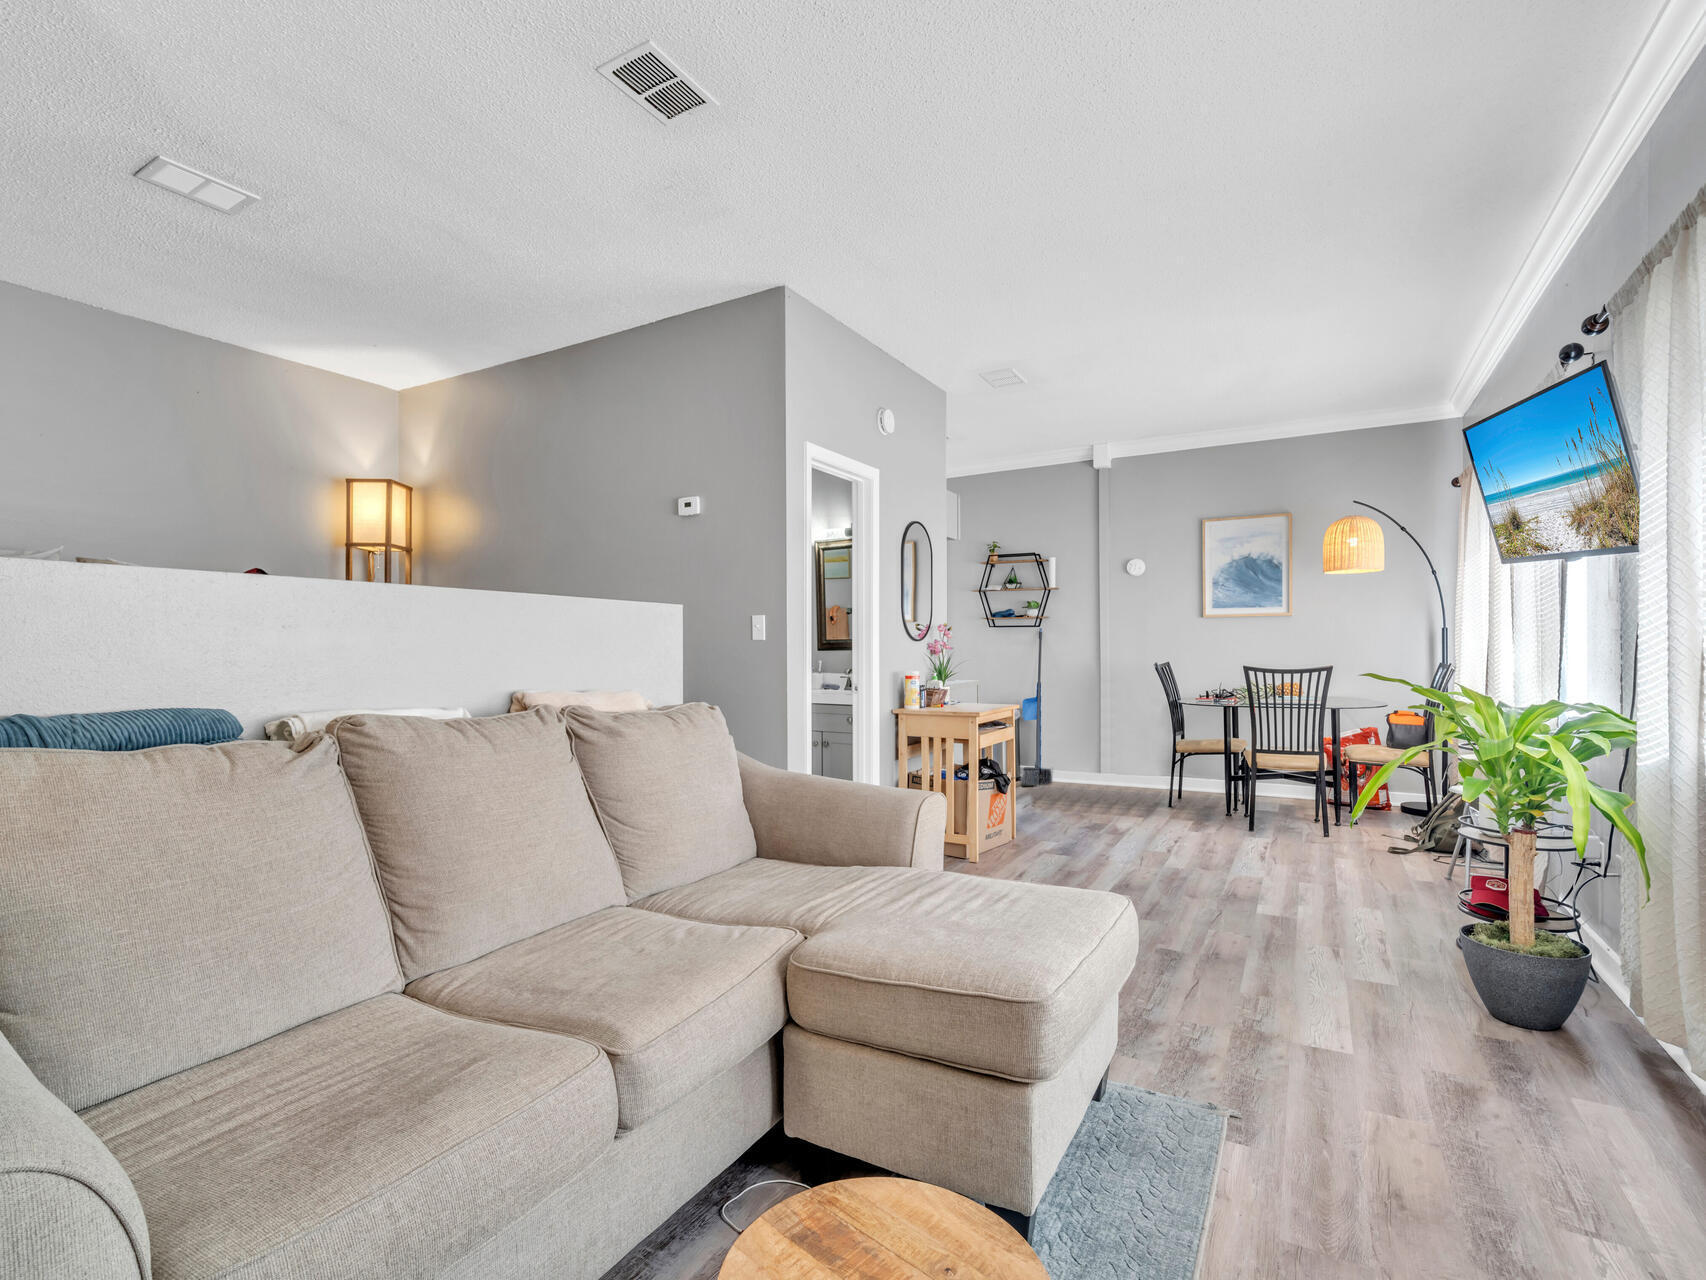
(85, 637)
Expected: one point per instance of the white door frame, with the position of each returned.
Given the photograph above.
(867, 704)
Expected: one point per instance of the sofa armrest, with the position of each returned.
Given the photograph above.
(798, 817)
(66, 1207)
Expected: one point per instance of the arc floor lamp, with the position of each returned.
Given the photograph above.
(1357, 544)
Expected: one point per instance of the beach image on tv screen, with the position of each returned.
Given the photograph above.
(1556, 474)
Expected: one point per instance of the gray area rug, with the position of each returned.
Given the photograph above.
(1132, 1195)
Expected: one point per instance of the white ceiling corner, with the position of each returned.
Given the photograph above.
(1242, 222)
(1674, 41)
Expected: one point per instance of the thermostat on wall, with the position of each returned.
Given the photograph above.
(687, 506)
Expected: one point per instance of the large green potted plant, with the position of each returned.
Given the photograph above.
(1519, 764)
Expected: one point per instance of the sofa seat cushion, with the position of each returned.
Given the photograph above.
(786, 895)
(162, 908)
(994, 976)
(481, 829)
(386, 1139)
(667, 788)
(672, 1002)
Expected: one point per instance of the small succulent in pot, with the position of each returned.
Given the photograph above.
(1520, 764)
(994, 550)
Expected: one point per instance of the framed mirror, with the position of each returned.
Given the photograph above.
(834, 593)
(917, 581)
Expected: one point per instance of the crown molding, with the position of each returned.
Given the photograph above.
(1674, 41)
(1019, 461)
(1183, 440)
(1255, 432)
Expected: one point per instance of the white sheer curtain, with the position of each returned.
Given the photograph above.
(1659, 355)
(1509, 627)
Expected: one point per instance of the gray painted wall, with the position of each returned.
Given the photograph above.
(836, 382)
(1385, 622)
(559, 473)
(1052, 511)
(1666, 171)
(127, 440)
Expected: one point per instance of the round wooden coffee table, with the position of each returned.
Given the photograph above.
(880, 1228)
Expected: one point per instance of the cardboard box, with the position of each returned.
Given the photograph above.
(990, 808)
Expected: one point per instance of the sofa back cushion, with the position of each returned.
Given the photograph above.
(667, 788)
(481, 830)
(162, 908)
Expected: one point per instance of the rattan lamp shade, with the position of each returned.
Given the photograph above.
(1354, 544)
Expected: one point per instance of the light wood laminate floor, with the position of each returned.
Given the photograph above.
(1386, 1126)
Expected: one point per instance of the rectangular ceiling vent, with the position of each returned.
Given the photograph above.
(1001, 379)
(648, 78)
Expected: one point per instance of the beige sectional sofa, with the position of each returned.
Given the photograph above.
(492, 997)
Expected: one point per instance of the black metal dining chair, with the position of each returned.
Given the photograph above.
(1288, 722)
(1377, 754)
(1184, 748)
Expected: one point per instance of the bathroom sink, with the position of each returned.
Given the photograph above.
(830, 688)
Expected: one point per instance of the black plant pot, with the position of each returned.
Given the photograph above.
(1536, 992)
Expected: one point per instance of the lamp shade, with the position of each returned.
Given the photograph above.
(379, 520)
(1355, 544)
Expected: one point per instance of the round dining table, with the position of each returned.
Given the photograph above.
(1337, 705)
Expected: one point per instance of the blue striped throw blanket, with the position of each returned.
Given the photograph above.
(121, 730)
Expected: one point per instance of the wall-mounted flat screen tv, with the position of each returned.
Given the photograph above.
(1556, 472)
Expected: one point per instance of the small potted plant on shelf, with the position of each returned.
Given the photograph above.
(1031, 607)
(1012, 583)
(941, 650)
(1519, 764)
(994, 550)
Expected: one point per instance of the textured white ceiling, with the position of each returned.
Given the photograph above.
(1192, 217)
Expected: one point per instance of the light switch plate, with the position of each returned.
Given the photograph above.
(688, 506)
(758, 626)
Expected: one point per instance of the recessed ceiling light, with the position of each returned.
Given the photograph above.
(195, 184)
(1001, 379)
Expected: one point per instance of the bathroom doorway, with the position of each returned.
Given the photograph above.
(840, 631)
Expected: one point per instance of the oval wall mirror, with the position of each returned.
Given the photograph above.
(917, 584)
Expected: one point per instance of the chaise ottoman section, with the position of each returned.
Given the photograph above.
(994, 1140)
(1008, 985)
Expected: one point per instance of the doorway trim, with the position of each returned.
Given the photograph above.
(867, 560)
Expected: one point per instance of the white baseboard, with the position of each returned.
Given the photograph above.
(1606, 962)
(1609, 966)
(1207, 786)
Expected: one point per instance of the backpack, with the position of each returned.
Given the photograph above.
(1436, 833)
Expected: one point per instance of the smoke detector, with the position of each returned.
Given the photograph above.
(1002, 379)
(649, 78)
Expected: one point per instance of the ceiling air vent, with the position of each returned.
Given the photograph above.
(648, 78)
(1001, 379)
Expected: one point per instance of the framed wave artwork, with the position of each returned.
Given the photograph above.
(1246, 566)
